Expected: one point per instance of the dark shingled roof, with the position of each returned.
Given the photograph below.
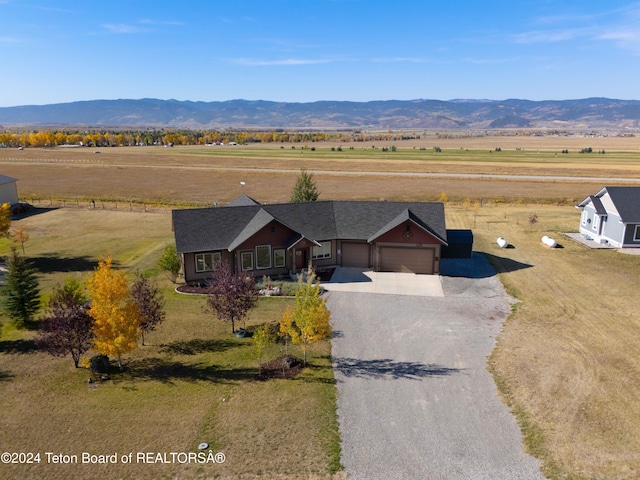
(243, 201)
(625, 199)
(207, 229)
(627, 202)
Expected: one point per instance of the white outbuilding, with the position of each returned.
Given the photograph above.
(8, 190)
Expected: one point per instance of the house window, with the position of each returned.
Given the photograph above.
(263, 256)
(596, 222)
(207, 262)
(585, 214)
(323, 251)
(278, 257)
(246, 260)
(636, 234)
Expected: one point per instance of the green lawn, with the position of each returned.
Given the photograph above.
(193, 382)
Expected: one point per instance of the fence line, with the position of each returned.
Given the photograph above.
(112, 205)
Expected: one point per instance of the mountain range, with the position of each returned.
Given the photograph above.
(590, 113)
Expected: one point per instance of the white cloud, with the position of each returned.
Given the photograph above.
(546, 36)
(123, 28)
(251, 62)
(400, 60)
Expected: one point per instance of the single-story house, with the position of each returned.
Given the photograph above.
(281, 239)
(612, 216)
(8, 190)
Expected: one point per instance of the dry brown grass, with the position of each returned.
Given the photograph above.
(192, 382)
(204, 175)
(567, 360)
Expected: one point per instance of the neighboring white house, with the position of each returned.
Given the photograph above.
(612, 216)
(8, 190)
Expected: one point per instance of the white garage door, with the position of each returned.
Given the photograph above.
(403, 259)
(355, 255)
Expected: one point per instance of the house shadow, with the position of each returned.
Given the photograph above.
(196, 346)
(389, 369)
(505, 265)
(164, 371)
(52, 263)
(349, 275)
(33, 211)
(480, 265)
(18, 346)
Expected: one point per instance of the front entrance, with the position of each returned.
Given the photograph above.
(302, 259)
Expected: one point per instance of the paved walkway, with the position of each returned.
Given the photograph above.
(415, 400)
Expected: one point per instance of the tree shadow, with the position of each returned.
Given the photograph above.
(5, 376)
(197, 345)
(387, 368)
(18, 346)
(168, 371)
(53, 263)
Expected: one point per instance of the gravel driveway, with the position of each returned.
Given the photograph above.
(415, 400)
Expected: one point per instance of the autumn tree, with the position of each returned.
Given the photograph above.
(21, 292)
(150, 304)
(116, 316)
(263, 338)
(231, 295)
(305, 188)
(5, 219)
(307, 322)
(67, 327)
(21, 237)
(444, 198)
(170, 262)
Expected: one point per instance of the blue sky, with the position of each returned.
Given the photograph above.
(307, 50)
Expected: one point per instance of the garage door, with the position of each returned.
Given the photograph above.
(355, 255)
(402, 259)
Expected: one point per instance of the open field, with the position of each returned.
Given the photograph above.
(193, 382)
(204, 175)
(566, 362)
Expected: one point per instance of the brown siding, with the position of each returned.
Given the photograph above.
(414, 234)
(189, 266)
(277, 236)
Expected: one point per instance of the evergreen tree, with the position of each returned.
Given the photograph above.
(305, 188)
(21, 292)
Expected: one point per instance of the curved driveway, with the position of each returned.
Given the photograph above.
(415, 400)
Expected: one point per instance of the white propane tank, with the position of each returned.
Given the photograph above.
(502, 243)
(550, 242)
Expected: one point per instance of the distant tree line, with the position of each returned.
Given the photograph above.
(169, 137)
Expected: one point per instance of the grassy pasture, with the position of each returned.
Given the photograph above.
(204, 175)
(193, 382)
(566, 361)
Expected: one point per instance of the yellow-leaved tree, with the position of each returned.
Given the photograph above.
(5, 219)
(309, 321)
(116, 317)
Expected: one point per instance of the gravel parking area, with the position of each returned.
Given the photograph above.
(414, 397)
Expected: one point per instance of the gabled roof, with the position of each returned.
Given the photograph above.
(399, 220)
(207, 229)
(597, 204)
(243, 201)
(625, 199)
(6, 179)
